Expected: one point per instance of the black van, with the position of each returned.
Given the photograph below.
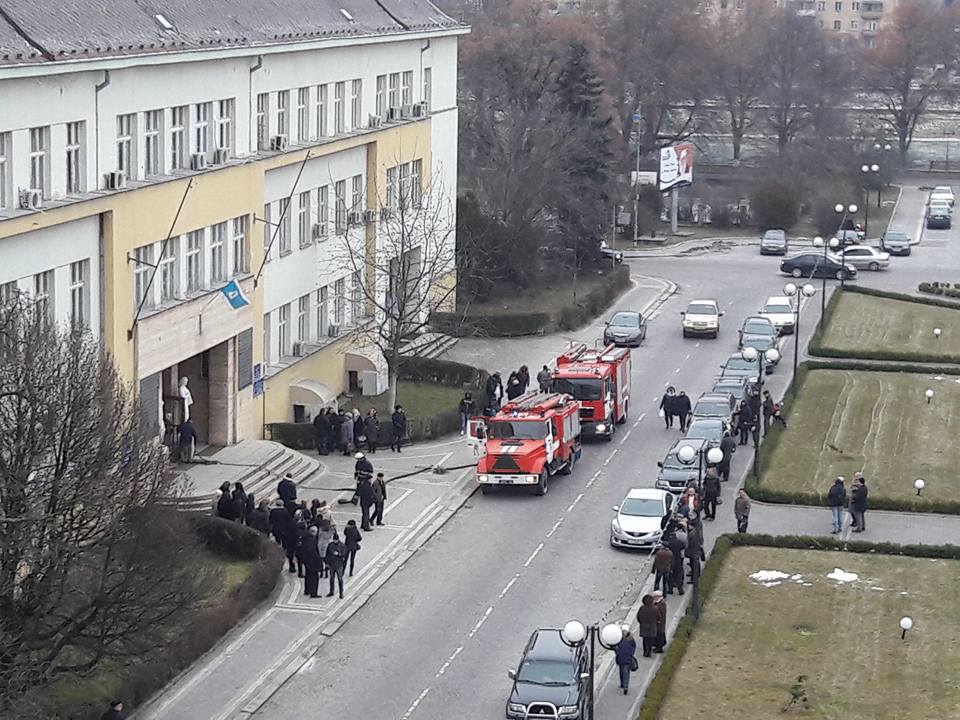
(551, 680)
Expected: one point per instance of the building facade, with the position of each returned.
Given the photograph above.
(148, 162)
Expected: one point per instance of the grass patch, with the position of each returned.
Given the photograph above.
(418, 399)
(842, 421)
(746, 652)
(883, 328)
(522, 300)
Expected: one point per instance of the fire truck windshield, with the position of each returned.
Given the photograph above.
(579, 388)
(518, 430)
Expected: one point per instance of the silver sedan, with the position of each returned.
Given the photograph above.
(864, 257)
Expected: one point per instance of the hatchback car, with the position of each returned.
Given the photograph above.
(817, 266)
(773, 242)
(864, 257)
(637, 523)
(674, 474)
(756, 328)
(938, 219)
(551, 680)
(709, 429)
(737, 366)
(895, 242)
(702, 317)
(778, 309)
(626, 327)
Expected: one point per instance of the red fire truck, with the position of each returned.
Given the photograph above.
(532, 437)
(599, 378)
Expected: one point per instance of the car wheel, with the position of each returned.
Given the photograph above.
(797, 272)
(568, 468)
(685, 334)
(874, 266)
(543, 487)
(839, 275)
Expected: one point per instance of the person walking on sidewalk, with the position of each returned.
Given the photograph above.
(837, 500)
(668, 406)
(683, 408)
(379, 499)
(747, 421)
(336, 553)
(647, 620)
(728, 446)
(676, 545)
(372, 424)
(741, 510)
(468, 408)
(858, 502)
(660, 603)
(694, 550)
(399, 422)
(543, 380)
(626, 657)
(768, 409)
(351, 542)
(365, 493)
(310, 554)
(662, 566)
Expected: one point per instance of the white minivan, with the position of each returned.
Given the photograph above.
(942, 192)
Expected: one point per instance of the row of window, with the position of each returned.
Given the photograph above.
(41, 288)
(72, 161)
(870, 25)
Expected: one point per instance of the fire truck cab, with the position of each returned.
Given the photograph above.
(599, 379)
(532, 437)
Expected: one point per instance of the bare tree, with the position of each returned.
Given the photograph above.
(409, 265)
(91, 564)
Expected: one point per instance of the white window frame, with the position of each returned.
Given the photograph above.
(323, 208)
(267, 230)
(303, 318)
(339, 111)
(201, 128)
(178, 129)
(356, 299)
(263, 121)
(169, 271)
(320, 110)
(266, 339)
(142, 269)
(218, 244)
(381, 97)
(416, 188)
(226, 109)
(392, 187)
(283, 330)
(285, 226)
(6, 147)
(73, 155)
(283, 113)
(356, 104)
(193, 254)
(39, 160)
(427, 88)
(356, 193)
(9, 291)
(303, 218)
(339, 301)
(79, 312)
(303, 115)
(323, 312)
(406, 88)
(126, 144)
(393, 96)
(152, 142)
(43, 289)
(239, 245)
(340, 211)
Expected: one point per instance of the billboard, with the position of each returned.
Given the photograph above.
(676, 166)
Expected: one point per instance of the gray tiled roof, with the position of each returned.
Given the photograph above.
(41, 31)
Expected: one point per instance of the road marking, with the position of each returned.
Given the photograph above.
(533, 555)
(554, 528)
(696, 346)
(404, 496)
(610, 457)
(626, 436)
(677, 370)
(481, 621)
(506, 589)
(416, 702)
(592, 480)
(575, 501)
(637, 421)
(687, 357)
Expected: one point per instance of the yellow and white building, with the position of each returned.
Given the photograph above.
(149, 157)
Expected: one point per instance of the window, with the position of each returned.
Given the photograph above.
(263, 121)
(338, 111)
(340, 198)
(428, 87)
(391, 198)
(404, 186)
(416, 189)
(356, 300)
(303, 319)
(266, 339)
(855, 6)
(836, 24)
(225, 110)
(43, 294)
(838, 7)
(339, 299)
(321, 110)
(323, 209)
(283, 330)
(303, 115)
(406, 88)
(201, 128)
(78, 292)
(323, 313)
(5, 181)
(169, 270)
(152, 161)
(9, 291)
(284, 226)
(381, 96)
(218, 237)
(822, 6)
(853, 24)
(871, 25)
(178, 123)
(74, 153)
(303, 218)
(356, 201)
(356, 104)
(194, 260)
(394, 96)
(268, 230)
(283, 115)
(125, 144)
(239, 245)
(39, 172)
(142, 269)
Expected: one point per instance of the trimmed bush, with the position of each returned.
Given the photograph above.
(775, 205)
(940, 288)
(442, 372)
(225, 537)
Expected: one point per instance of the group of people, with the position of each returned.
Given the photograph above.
(235, 503)
(853, 502)
(348, 432)
(676, 405)
(517, 383)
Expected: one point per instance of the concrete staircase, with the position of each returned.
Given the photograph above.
(428, 345)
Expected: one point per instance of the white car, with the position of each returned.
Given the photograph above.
(639, 517)
(702, 317)
(778, 309)
(864, 257)
(942, 192)
(940, 202)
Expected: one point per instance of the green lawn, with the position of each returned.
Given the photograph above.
(545, 299)
(753, 641)
(845, 420)
(419, 400)
(878, 220)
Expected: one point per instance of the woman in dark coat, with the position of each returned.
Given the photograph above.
(351, 540)
(372, 427)
(647, 617)
(310, 553)
(626, 651)
(239, 502)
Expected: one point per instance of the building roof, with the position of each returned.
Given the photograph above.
(33, 32)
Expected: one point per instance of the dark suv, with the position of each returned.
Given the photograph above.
(551, 681)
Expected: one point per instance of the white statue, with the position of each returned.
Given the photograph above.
(187, 398)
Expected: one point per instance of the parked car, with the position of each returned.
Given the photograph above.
(864, 257)
(773, 242)
(674, 474)
(815, 265)
(938, 219)
(850, 237)
(702, 317)
(755, 328)
(551, 680)
(709, 429)
(895, 242)
(626, 327)
(715, 405)
(778, 309)
(609, 253)
(737, 366)
(735, 385)
(940, 204)
(637, 523)
(942, 192)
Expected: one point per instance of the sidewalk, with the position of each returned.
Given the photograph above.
(248, 665)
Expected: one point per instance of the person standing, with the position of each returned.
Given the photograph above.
(114, 712)
(279, 517)
(359, 430)
(728, 446)
(259, 519)
(324, 536)
(310, 555)
(523, 377)
(494, 390)
(239, 503)
(467, 410)
(399, 422)
(543, 380)
(694, 550)
(711, 493)
(379, 499)
(660, 603)
(662, 565)
(225, 508)
(346, 434)
(187, 442)
(683, 408)
(336, 553)
(321, 431)
(746, 421)
(336, 420)
(351, 543)
(858, 502)
(768, 410)
(647, 620)
(626, 658)
(741, 510)
(837, 500)
(372, 428)
(513, 389)
(668, 406)
(365, 493)
(676, 545)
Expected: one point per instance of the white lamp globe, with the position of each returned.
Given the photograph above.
(864, 168)
(936, 332)
(906, 623)
(838, 207)
(610, 635)
(573, 633)
(686, 454)
(919, 483)
(928, 393)
(875, 168)
(834, 242)
(715, 455)
(749, 354)
(808, 290)
(772, 355)
(853, 209)
(789, 289)
(818, 241)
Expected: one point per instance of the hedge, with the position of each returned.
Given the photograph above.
(940, 288)
(489, 323)
(442, 372)
(225, 537)
(656, 693)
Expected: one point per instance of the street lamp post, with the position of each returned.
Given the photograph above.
(687, 453)
(791, 290)
(576, 634)
(770, 355)
(819, 242)
(637, 119)
(905, 624)
(846, 211)
(919, 484)
(865, 171)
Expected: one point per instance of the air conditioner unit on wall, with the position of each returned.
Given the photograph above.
(319, 230)
(278, 143)
(420, 110)
(369, 216)
(393, 114)
(298, 349)
(115, 180)
(406, 111)
(220, 156)
(31, 199)
(333, 331)
(354, 218)
(198, 161)
(374, 121)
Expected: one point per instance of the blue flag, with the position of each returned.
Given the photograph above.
(234, 295)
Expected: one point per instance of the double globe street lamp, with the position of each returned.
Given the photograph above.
(865, 171)
(575, 634)
(832, 244)
(688, 453)
(791, 291)
(845, 211)
(768, 356)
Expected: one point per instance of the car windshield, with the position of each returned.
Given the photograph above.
(736, 390)
(546, 672)
(759, 342)
(758, 327)
(625, 320)
(705, 429)
(739, 363)
(579, 388)
(673, 462)
(642, 507)
(935, 210)
(895, 235)
(701, 309)
(777, 309)
(774, 235)
(712, 408)
(518, 430)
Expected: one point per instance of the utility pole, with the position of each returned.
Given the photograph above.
(674, 207)
(636, 182)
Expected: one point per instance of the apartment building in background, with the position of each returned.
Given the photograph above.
(148, 161)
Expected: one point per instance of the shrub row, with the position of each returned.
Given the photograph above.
(490, 323)
(442, 372)
(906, 297)
(938, 288)
(656, 694)
(227, 538)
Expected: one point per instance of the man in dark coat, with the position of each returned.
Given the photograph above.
(279, 519)
(310, 555)
(336, 420)
(676, 546)
(321, 431)
(728, 446)
(351, 541)
(747, 421)
(399, 423)
(336, 553)
(523, 376)
(513, 389)
(662, 565)
(114, 712)
(837, 500)
(543, 379)
(287, 490)
(647, 617)
(188, 439)
(379, 499)
(858, 502)
(711, 491)
(668, 406)
(259, 518)
(365, 493)
(467, 409)
(225, 507)
(494, 390)
(683, 408)
(694, 550)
